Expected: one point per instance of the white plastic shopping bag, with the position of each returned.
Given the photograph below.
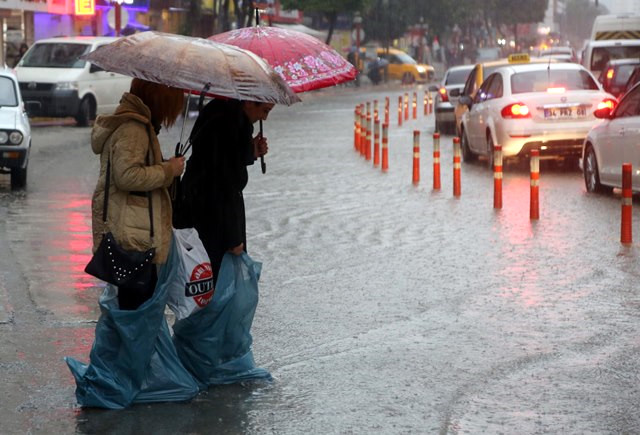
(192, 288)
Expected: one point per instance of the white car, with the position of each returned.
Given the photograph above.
(15, 130)
(548, 107)
(613, 142)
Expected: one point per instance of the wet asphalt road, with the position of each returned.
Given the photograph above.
(385, 307)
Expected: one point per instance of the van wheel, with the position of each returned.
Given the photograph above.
(18, 178)
(407, 78)
(84, 112)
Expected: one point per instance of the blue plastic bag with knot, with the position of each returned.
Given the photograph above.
(133, 359)
(214, 344)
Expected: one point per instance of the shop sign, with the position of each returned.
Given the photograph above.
(61, 7)
(85, 7)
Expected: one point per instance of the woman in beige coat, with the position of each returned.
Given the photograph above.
(129, 139)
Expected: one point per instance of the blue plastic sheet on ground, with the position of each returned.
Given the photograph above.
(214, 344)
(133, 359)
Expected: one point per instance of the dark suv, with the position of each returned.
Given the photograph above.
(615, 75)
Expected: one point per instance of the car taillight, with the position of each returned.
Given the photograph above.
(610, 73)
(607, 102)
(443, 94)
(516, 111)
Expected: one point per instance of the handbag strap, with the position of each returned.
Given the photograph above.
(106, 196)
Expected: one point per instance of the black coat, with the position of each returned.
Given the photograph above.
(215, 176)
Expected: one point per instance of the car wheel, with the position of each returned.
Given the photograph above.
(18, 178)
(407, 78)
(467, 155)
(490, 151)
(592, 174)
(84, 112)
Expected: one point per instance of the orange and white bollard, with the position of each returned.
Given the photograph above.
(627, 205)
(416, 156)
(376, 142)
(436, 161)
(534, 203)
(367, 150)
(456, 167)
(356, 128)
(415, 105)
(425, 103)
(406, 106)
(385, 147)
(497, 176)
(430, 104)
(375, 109)
(400, 111)
(386, 110)
(363, 130)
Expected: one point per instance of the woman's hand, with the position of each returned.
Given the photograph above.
(238, 250)
(177, 165)
(260, 147)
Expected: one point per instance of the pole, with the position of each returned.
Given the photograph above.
(627, 205)
(436, 161)
(497, 176)
(118, 18)
(534, 203)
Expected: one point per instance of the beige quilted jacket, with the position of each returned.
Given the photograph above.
(127, 135)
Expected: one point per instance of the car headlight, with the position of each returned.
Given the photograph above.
(67, 86)
(15, 137)
(421, 69)
(4, 137)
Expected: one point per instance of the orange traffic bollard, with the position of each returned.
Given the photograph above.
(406, 106)
(363, 130)
(416, 156)
(415, 105)
(534, 204)
(356, 129)
(436, 161)
(400, 111)
(376, 142)
(375, 109)
(367, 150)
(385, 147)
(430, 104)
(456, 167)
(627, 205)
(425, 103)
(386, 110)
(497, 176)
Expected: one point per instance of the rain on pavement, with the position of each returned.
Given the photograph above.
(385, 307)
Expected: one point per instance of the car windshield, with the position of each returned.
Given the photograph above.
(405, 58)
(542, 80)
(8, 96)
(602, 55)
(622, 75)
(457, 77)
(55, 55)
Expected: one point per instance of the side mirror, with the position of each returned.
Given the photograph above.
(604, 113)
(94, 68)
(465, 100)
(32, 107)
(455, 92)
(433, 88)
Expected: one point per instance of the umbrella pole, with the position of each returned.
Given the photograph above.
(184, 121)
(263, 165)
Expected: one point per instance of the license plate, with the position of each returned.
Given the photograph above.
(574, 112)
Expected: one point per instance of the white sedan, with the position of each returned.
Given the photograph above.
(613, 142)
(548, 107)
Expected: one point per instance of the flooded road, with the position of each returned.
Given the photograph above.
(385, 307)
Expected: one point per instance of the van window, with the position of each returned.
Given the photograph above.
(8, 95)
(601, 55)
(55, 55)
(540, 81)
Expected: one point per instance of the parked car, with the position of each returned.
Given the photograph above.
(15, 131)
(52, 74)
(548, 107)
(611, 143)
(615, 75)
(447, 97)
(480, 72)
(400, 66)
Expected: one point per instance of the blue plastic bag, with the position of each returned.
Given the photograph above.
(214, 344)
(133, 359)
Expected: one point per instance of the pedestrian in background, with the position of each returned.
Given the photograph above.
(223, 146)
(128, 141)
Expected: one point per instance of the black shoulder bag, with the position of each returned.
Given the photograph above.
(115, 265)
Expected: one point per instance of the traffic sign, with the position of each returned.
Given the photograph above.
(354, 35)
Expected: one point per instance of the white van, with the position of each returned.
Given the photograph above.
(621, 26)
(596, 54)
(52, 74)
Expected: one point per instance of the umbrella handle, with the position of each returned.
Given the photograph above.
(263, 165)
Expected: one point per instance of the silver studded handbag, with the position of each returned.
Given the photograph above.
(115, 265)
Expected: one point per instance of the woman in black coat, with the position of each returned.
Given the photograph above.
(216, 174)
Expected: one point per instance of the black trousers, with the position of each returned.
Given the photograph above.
(132, 298)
